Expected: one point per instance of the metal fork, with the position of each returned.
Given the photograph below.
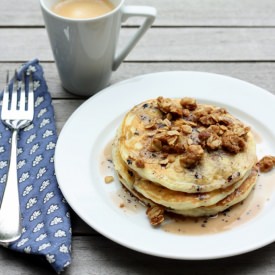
(17, 113)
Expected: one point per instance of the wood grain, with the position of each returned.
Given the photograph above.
(258, 73)
(170, 13)
(160, 44)
(98, 255)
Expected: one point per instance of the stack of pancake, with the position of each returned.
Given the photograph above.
(176, 155)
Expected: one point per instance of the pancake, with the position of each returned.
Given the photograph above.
(162, 196)
(133, 192)
(156, 143)
(180, 200)
(240, 194)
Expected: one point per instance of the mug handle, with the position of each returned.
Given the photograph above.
(149, 13)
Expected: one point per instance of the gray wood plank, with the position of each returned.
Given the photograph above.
(101, 256)
(258, 73)
(63, 110)
(98, 255)
(203, 44)
(176, 13)
(79, 227)
(159, 44)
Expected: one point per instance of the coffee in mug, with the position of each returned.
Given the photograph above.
(80, 9)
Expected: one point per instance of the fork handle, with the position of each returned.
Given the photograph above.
(10, 215)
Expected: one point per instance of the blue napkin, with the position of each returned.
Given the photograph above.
(45, 215)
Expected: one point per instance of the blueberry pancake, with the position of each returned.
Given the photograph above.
(185, 146)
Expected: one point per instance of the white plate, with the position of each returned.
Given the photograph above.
(93, 125)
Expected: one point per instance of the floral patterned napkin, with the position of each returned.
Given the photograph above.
(45, 216)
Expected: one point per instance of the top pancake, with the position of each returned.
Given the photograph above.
(185, 146)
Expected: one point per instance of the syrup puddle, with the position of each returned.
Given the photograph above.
(127, 202)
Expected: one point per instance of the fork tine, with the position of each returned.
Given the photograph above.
(30, 94)
(22, 101)
(5, 103)
(14, 92)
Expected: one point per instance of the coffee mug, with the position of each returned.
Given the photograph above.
(85, 50)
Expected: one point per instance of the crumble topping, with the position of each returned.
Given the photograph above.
(189, 129)
(194, 154)
(232, 142)
(155, 214)
(166, 105)
(266, 164)
(188, 103)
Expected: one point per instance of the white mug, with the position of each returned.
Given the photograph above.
(85, 50)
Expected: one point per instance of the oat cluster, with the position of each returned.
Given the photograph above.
(266, 164)
(155, 214)
(189, 129)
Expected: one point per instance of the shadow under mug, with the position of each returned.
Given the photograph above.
(85, 50)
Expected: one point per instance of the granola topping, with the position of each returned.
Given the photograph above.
(266, 164)
(232, 142)
(214, 142)
(166, 105)
(188, 103)
(192, 157)
(155, 214)
(188, 130)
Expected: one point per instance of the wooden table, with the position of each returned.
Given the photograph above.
(235, 38)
